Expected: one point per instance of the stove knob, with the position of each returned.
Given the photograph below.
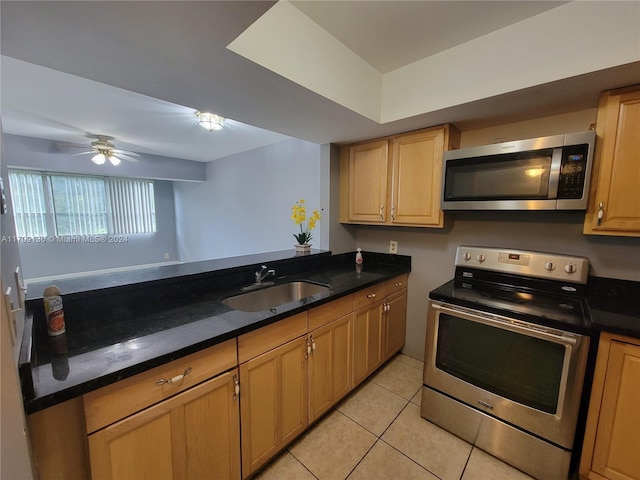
(570, 268)
(549, 266)
(481, 257)
(466, 256)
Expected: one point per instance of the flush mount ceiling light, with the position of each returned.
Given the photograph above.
(210, 121)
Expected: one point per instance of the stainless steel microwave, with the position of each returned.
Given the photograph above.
(547, 173)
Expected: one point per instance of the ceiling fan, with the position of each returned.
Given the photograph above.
(104, 150)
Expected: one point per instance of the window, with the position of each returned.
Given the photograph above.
(28, 204)
(79, 205)
(57, 204)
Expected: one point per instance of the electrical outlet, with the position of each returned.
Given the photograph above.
(393, 246)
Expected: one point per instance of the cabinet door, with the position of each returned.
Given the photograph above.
(273, 402)
(617, 166)
(367, 196)
(417, 178)
(395, 323)
(367, 341)
(193, 435)
(329, 365)
(616, 453)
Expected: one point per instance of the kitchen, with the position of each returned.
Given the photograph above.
(432, 251)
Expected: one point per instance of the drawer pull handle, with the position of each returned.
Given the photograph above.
(371, 295)
(177, 378)
(399, 284)
(313, 345)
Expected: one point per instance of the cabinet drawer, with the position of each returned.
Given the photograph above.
(396, 284)
(259, 341)
(369, 295)
(328, 312)
(114, 402)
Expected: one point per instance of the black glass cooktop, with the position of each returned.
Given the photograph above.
(556, 311)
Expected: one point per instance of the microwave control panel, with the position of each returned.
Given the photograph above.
(573, 171)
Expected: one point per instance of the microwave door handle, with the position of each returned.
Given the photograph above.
(554, 174)
(508, 324)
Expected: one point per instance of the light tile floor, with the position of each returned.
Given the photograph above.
(376, 433)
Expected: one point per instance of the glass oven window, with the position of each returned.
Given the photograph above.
(524, 369)
(512, 176)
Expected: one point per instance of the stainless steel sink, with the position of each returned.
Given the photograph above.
(272, 297)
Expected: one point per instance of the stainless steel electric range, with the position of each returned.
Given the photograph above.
(506, 353)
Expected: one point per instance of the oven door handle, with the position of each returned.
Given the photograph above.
(508, 324)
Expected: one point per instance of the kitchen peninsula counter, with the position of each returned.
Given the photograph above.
(121, 324)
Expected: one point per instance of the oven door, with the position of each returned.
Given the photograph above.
(525, 374)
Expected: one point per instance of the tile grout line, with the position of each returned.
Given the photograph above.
(400, 451)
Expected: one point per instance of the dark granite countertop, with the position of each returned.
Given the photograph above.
(118, 325)
(614, 305)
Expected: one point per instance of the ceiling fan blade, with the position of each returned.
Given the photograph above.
(70, 145)
(126, 157)
(125, 152)
(82, 153)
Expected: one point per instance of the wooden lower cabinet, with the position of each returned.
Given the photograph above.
(273, 402)
(611, 447)
(329, 365)
(367, 340)
(192, 435)
(395, 314)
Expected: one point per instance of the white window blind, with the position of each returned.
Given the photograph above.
(79, 205)
(29, 205)
(132, 204)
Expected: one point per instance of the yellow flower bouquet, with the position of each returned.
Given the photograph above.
(299, 216)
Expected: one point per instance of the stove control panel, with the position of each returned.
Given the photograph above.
(552, 266)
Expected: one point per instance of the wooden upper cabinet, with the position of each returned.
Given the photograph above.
(417, 178)
(614, 194)
(368, 181)
(396, 180)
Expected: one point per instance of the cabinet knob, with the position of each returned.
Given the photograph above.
(371, 295)
(381, 215)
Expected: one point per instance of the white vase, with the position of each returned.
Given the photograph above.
(305, 248)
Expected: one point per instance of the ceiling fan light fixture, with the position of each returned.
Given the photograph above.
(210, 121)
(114, 160)
(99, 159)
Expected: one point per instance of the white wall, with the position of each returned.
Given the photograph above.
(244, 207)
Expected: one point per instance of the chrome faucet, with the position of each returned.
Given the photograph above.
(264, 273)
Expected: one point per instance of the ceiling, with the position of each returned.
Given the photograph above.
(137, 71)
